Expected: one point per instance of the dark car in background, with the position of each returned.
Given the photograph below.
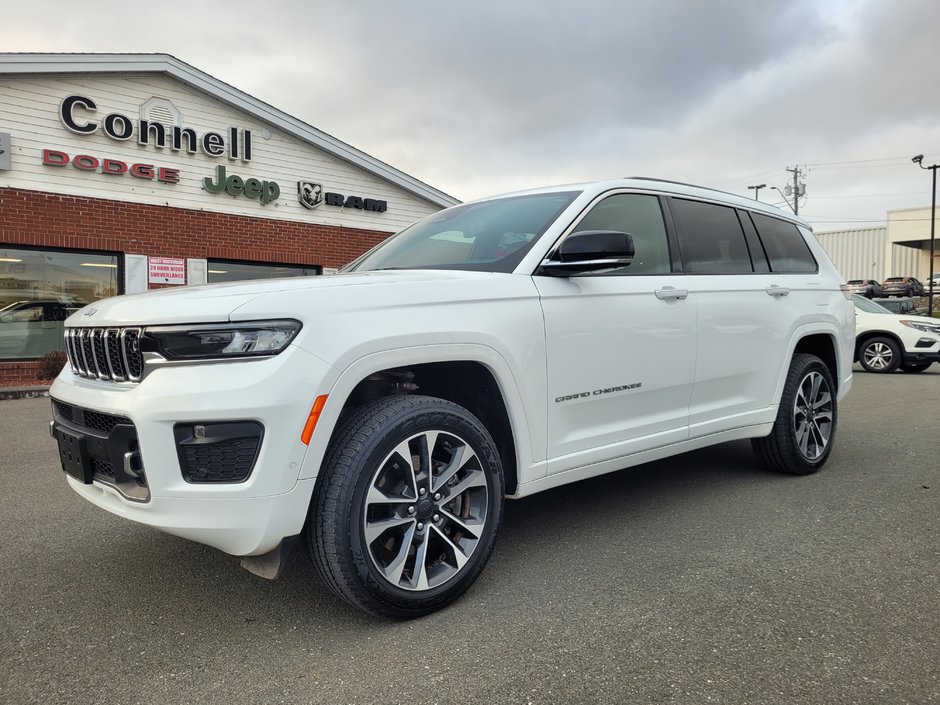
(901, 305)
(902, 286)
(868, 288)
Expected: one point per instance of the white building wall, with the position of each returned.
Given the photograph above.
(858, 254)
(29, 111)
(908, 262)
(911, 226)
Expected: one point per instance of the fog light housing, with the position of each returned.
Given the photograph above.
(223, 452)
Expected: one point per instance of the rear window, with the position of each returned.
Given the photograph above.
(786, 249)
(855, 281)
(711, 238)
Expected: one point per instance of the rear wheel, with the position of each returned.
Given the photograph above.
(406, 511)
(805, 427)
(879, 354)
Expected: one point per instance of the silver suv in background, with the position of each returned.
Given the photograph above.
(868, 288)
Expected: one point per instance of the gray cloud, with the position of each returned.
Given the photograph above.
(476, 98)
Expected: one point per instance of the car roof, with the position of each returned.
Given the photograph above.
(666, 186)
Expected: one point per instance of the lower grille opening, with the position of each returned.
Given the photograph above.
(102, 468)
(108, 441)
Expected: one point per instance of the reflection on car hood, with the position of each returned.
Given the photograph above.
(215, 303)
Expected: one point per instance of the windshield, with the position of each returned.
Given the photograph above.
(867, 306)
(489, 236)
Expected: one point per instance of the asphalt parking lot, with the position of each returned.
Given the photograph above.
(699, 579)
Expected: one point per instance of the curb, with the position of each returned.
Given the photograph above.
(24, 392)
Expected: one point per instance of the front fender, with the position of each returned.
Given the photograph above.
(527, 422)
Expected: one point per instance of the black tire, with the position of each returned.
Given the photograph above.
(367, 484)
(801, 440)
(879, 354)
(915, 367)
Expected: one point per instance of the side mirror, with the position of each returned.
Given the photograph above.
(589, 251)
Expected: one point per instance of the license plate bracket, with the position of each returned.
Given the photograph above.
(73, 454)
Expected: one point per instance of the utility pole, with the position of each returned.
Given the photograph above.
(797, 190)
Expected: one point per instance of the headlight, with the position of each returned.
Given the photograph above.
(219, 340)
(926, 327)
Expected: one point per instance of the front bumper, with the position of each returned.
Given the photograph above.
(247, 526)
(914, 358)
(248, 517)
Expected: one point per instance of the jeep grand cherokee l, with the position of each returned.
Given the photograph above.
(494, 349)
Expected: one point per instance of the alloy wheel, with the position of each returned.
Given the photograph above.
(812, 416)
(425, 510)
(878, 355)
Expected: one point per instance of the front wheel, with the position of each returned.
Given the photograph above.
(406, 511)
(879, 355)
(805, 427)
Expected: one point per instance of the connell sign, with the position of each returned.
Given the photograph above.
(78, 115)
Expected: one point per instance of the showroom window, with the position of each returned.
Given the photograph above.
(231, 271)
(39, 289)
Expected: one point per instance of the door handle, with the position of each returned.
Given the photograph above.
(775, 290)
(669, 293)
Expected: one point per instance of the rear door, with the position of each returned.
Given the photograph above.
(746, 314)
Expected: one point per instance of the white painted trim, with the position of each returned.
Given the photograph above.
(197, 271)
(135, 274)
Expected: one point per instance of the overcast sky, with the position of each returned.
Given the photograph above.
(483, 97)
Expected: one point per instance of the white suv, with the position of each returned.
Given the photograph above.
(496, 348)
(886, 342)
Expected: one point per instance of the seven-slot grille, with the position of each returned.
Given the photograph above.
(105, 353)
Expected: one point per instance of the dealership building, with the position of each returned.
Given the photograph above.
(121, 173)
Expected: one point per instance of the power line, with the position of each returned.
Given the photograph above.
(860, 161)
(873, 195)
(837, 219)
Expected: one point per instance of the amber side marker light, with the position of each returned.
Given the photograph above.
(313, 418)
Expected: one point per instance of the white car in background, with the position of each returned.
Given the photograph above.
(886, 341)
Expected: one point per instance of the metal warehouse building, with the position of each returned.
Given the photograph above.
(120, 173)
(901, 249)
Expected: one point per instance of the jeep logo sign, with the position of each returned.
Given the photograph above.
(264, 191)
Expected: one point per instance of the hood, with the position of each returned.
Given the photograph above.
(216, 303)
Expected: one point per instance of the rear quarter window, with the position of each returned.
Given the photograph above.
(786, 249)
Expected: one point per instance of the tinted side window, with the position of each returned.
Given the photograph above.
(711, 238)
(785, 247)
(641, 216)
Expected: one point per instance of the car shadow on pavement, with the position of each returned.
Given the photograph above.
(635, 504)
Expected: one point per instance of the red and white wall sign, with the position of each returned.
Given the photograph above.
(166, 270)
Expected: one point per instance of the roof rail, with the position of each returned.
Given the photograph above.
(683, 183)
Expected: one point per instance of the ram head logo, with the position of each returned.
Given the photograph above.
(309, 194)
